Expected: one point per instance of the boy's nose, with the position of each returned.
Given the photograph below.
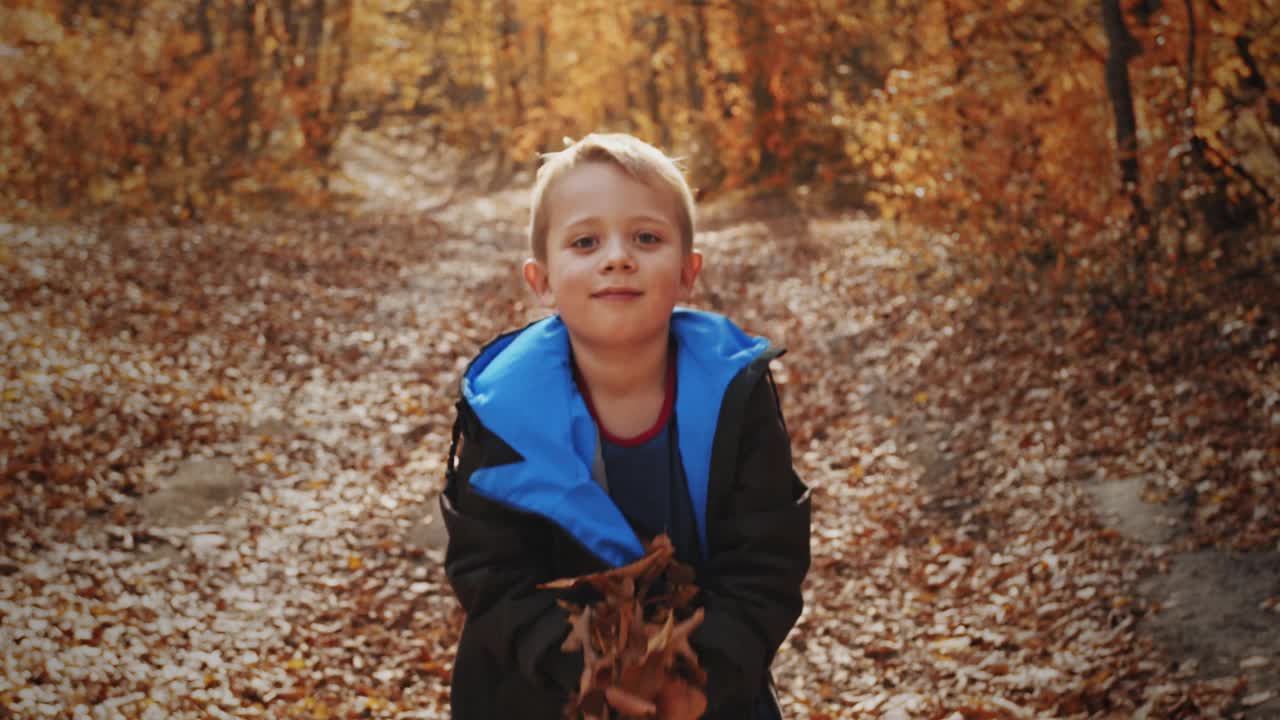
(618, 255)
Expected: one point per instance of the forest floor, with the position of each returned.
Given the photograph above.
(222, 448)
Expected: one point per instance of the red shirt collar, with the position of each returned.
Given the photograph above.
(668, 402)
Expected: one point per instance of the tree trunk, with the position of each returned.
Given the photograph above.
(959, 78)
(754, 28)
(506, 95)
(248, 75)
(1255, 79)
(335, 109)
(205, 25)
(1120, 48)
(543, 60)
(315, 39)
(654, 91)
(135, 14)
(290, 21)
(694, 55)
(512, 54)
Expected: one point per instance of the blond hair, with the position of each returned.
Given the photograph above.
(636, 157)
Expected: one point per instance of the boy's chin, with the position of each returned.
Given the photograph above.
(627, 336)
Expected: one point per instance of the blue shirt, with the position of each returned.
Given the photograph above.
(645, 477)
(647, 483)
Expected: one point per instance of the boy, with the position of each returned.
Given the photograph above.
(616, 419)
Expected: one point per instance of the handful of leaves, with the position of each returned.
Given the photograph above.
(637, 661)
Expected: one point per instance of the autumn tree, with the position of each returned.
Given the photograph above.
(1075, 136)
(168, 109)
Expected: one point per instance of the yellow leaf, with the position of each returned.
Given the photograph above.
(1098, 678)
(296, 663)
(354, 562)
(102, 190)
(185, 44)
(922, 398)
(36, 26)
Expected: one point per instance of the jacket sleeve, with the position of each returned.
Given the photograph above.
(495, 559)
(758, 557)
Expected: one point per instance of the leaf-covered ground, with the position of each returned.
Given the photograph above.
(960, 570)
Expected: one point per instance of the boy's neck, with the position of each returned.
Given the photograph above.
(615, 373)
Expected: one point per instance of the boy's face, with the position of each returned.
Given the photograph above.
(615, 264)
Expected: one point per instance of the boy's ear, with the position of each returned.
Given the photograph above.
(535, 275)
(689, 270)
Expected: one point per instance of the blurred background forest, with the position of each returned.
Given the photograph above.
(1113, 143)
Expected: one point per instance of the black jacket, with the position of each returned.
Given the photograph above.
(756, 540)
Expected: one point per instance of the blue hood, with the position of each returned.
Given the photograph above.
(521, 387)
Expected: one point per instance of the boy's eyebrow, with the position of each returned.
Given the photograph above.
(593, 219)
(654, 218)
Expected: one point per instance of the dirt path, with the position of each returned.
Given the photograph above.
(1133, 631)
(1212, 606)
(239, 547)
(1212, 612)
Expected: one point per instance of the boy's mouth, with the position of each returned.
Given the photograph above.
(616, 294)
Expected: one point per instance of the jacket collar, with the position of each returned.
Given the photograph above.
(521, 387)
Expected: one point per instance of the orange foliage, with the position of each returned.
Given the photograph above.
(989, 121)
(169, 112)
(995, 124)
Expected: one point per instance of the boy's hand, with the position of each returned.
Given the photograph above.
(629, 643)
(678, 700)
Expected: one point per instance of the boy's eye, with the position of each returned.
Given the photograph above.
(648, 238)
(583, 242)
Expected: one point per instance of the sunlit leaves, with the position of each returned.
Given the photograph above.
(169, 112)
(130, 358)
